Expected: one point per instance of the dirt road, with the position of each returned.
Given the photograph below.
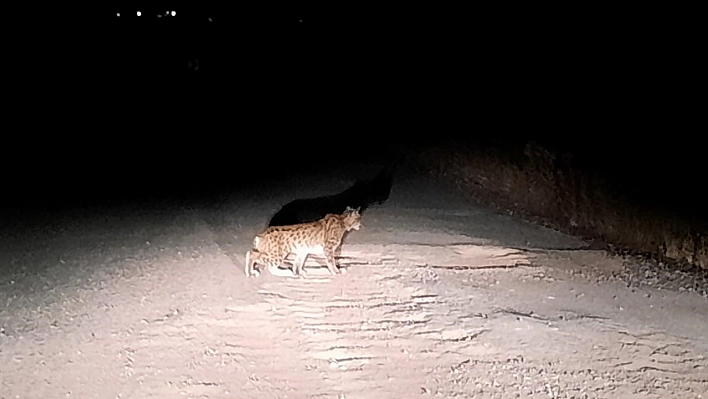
(440, 298)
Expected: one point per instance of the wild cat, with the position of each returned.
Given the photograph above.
(321, 237)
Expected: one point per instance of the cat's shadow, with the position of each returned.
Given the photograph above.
(362, 194)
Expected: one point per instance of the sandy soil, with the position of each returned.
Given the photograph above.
(440, 298)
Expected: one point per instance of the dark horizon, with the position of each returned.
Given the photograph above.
(130, 106)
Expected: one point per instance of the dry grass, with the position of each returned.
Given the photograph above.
(545, 187)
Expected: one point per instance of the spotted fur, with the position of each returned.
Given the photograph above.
(321, 237)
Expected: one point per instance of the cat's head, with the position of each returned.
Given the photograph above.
(352, 218)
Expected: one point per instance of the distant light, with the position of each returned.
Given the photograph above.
(118, 14)
(174, 13)
(209, 19)
(300, 20)
(138, 13)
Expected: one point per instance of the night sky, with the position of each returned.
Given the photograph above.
(106, 101)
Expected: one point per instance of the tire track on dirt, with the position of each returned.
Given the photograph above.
(347, 338)
(372, 332)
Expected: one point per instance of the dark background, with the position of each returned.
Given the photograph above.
(106, 106)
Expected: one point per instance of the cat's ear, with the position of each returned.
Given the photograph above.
(349, 209)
